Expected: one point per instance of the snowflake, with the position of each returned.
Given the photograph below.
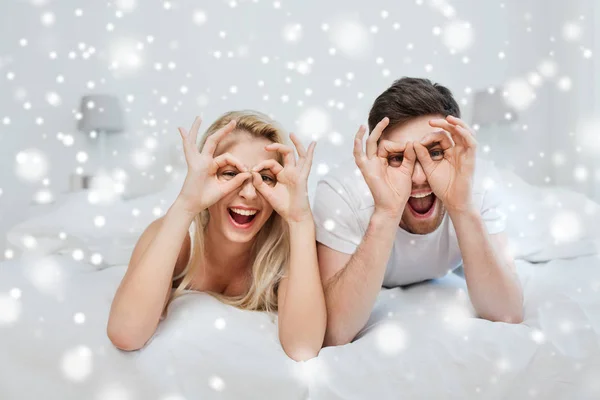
(350, 37)
(580, 173)
(79, 318)
(519, 94)
(458, 35)
(292, 33)
(313, 123)
(564, 84)
(390, 338)
(114, 391)
(220, 323)
(126, 5)
(572, 31)
(48, 19)
(76, 363)
(216, 383)
(322, 169)
(31, 165)
(10, 309)
(548, 68)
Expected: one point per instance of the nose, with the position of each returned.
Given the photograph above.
(248, 191)
(418, 176)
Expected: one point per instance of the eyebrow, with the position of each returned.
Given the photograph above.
(435, 142)
(432, 145)
(429, 147)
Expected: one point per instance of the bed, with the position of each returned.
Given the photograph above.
(421, 341)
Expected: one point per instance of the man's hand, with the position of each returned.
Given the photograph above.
(450, 176)
(390, 184)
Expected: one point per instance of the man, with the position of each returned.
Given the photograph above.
(415, 210)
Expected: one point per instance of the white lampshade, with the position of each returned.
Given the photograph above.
(101, 113)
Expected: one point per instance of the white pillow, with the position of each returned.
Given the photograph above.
(110, 230)
(545, 223)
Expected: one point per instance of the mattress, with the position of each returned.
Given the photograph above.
(421, 342)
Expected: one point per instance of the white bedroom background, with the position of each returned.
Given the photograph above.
(315, 66)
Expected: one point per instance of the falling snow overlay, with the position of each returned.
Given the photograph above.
(74, 202)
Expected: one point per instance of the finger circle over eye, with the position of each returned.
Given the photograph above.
(271, 165)
(228, 159)
(286, 151)
(392, 147)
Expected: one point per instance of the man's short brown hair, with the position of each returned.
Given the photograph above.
(409, 98)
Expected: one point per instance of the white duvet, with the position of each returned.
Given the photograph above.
(420, 342)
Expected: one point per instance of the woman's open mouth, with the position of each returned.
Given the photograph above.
(242, 219)
(422, 207)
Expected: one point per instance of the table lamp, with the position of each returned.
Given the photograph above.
(102, 114)
(495, 120)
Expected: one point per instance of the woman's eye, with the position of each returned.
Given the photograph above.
(229, 174)
(436, 154)
(269, 180)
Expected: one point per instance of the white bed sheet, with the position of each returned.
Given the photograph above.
(420, 342)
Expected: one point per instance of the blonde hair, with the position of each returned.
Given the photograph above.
(270, 250)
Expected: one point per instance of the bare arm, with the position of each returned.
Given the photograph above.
(145, 288)
(301, 302)
(352, 283)
(141, 297)
(493, 284)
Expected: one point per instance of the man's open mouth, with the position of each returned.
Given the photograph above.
(422, 205)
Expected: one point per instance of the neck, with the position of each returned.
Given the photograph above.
(223, 254)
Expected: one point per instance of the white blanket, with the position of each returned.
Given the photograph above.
(420, 342)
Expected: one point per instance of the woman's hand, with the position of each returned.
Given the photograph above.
(201, 187)
(387, 169)
(288, 195)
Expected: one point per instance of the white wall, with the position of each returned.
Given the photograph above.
(255, 29)
(570, 110)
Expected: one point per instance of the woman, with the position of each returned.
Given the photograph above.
(252, 242)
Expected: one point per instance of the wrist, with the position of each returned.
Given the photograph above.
(461, 212)
(182, 206)
(390, 214)
(305, 219)
(302, 228)
(383, 217)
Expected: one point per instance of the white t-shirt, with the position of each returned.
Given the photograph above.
(343, 206)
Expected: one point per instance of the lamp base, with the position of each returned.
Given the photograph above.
(80, 182)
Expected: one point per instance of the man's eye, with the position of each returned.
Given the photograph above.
(436, 154)
(395, 160)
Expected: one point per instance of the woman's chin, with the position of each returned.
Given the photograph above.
(236, 237)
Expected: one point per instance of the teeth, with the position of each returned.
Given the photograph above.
(243, 212)
(418, 196)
